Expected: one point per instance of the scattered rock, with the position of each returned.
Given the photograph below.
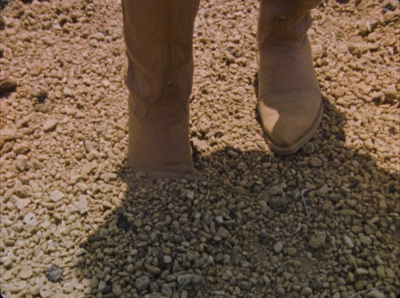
(54, 273)
(7, 85)
(375, 294)
(50, 124)
(278, 247)
(26, 272)
(30, 219)
(184, 280)
(142, 283)
(349, 243)
(245, 285)
(318, 240)
(56, 195)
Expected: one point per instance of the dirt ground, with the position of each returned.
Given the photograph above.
(75, 222)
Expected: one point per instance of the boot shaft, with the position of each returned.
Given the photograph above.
(159, 37)
(284, 20)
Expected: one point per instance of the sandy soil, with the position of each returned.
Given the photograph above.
(75, 222)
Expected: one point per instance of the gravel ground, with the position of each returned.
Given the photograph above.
(75, 222)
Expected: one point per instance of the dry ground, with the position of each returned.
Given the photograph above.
(76, 223)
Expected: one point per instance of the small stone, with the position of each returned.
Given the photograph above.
(6, 275)
(166, 290)
(348, 241)
(82, 205)
(184, 280)
(380, 271)
(30, 219)
(280, 291)
(21, 163)
(56, 195)
(123, 224)
(278, 247)
(315, 162)
(26, 272)
(306, 291)
(245, 285)
(219, 219)
(54, 273)
(152, 269)
(97, 36)
(167, 259)
(317, 240)
(375, 293)
(130, 268)
(68, 288)
(17, 286)
(390, 93)
(390, 273)
(22, 203)
(361, 271)
(378, 260)
(7, 85)
(276, 190)
(142, 283)
(116, 289)
(222, 232)
(49, 125)
(190, 195)
(309, 148)
(47, 40)
(22, 148)
(365, 240)
(102, 286)
(67, 92)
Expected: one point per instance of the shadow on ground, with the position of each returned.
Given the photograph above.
(241, 229)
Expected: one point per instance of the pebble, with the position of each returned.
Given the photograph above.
(68, 287)
(317, 240)
(184, 280)
(56, 195)
(67, 92)
(348, 241)
(315, 162)
(116, 289)
(30, 219)
(7, 85)
(21, 163)
(223, 232)
(17, 286)
(152, 269)
(102, 286)
(278, 247)
(54, 273)
(375, 293)
(306, 291)
(365, 240)
(26, 272)
(167, 259)
(50, 124)
(245, 285)
(21, 204)
(142, 283)
(361, 271)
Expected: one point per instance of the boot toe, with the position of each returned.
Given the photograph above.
(292, 123)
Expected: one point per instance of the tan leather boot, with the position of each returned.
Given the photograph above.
(158, 36)
(289, 101)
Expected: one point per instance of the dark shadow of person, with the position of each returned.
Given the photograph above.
(252, 224)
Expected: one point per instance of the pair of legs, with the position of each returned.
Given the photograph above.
(158, 36)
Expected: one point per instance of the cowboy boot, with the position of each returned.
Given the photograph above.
(289, 100)
(158, 37)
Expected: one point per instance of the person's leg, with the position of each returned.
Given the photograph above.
(158, 36)
(289, 101)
